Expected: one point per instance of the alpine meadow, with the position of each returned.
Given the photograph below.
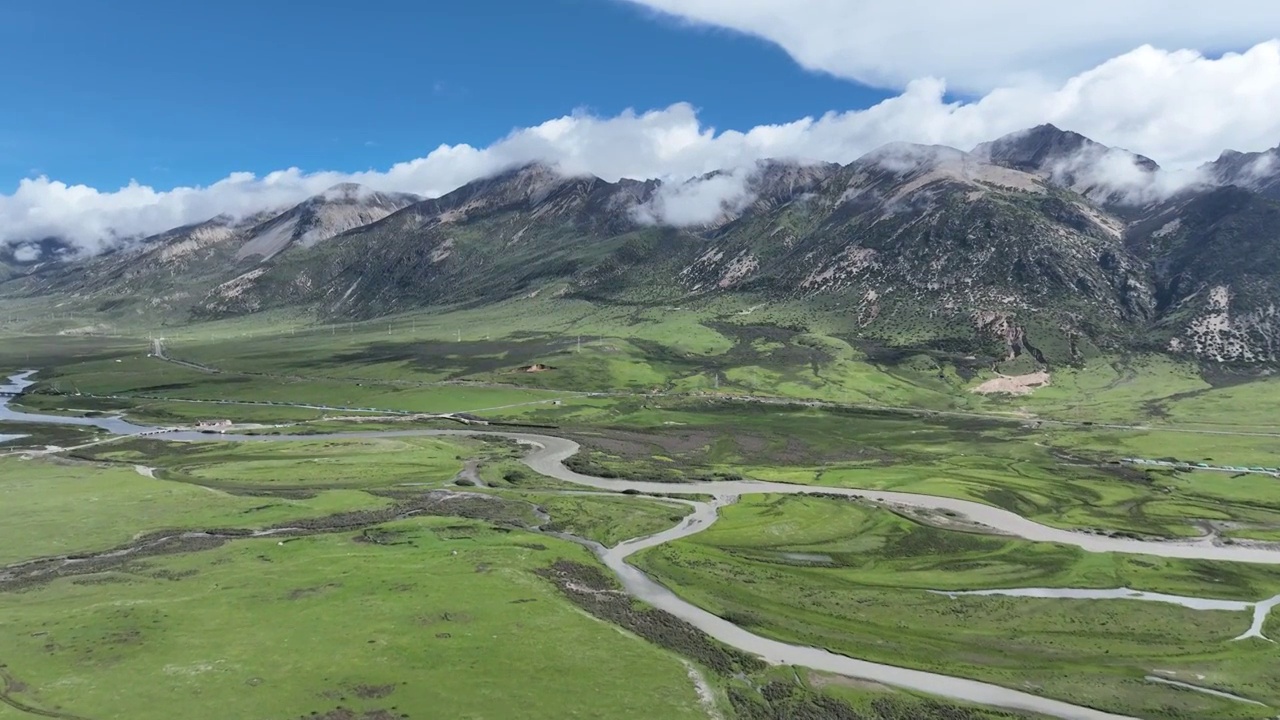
(788, 423)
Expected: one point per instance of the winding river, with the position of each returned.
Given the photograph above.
(22, 381)
(547, 454)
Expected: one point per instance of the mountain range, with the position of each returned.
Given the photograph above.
(1042, 244)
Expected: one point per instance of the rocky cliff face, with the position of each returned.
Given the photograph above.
(1257, 172)
(339, 209)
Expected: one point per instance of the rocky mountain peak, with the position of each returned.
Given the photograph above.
(343, 192)
(1256, 171)
(350, 193)
(775, 180)
(1109, 176)
(1051, 150)
(904, 168)
(343, 207)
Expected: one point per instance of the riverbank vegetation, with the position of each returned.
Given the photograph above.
(857, 579)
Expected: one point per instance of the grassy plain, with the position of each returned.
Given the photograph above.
(449, 621)
(1059, 476)
(418, 618)
(302, 465)
(609, 520)
(55, 507)
(854, 579)
(649, 394)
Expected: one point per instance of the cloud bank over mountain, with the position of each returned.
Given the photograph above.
(977, 45)
(1179, 107)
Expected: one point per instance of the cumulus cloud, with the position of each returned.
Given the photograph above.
(27, 253)
(903, 157)
(977, 45)
(1178, 107)
(1117, 176)
(698, 201)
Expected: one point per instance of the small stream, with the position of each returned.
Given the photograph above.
(1203, 690)
(1261, 610)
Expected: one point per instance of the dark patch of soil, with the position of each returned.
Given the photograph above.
(342, 713)
(373, 692)
(782, 700)
(100, 580)
(633, 445)
(173, 575)
(454, 359)
(589, 588)
(381, 536)
(449, 616)
(308, 592)
(35, 572)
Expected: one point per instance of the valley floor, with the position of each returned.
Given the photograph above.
(352, 576)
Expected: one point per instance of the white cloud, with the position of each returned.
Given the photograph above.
(1116, 175)
(1179, 108)
(1262, 167)
(698, 201)
(901, 157)
(26, 253)
(977, 45)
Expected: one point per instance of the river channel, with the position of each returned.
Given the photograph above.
(547, 453)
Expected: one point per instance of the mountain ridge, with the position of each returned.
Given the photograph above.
(1023, 247)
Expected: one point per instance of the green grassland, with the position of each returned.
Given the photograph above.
(609, 520)
(354, 463)
(854, 579)
(1055, 474)
(650, 393)
(433, 617)
(727, 347)
(448, 622)
(426, 617)
(1059, 476)
(150, 379)
(57, 507)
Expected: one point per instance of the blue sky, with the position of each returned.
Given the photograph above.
(173, 93)
(187, 97)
